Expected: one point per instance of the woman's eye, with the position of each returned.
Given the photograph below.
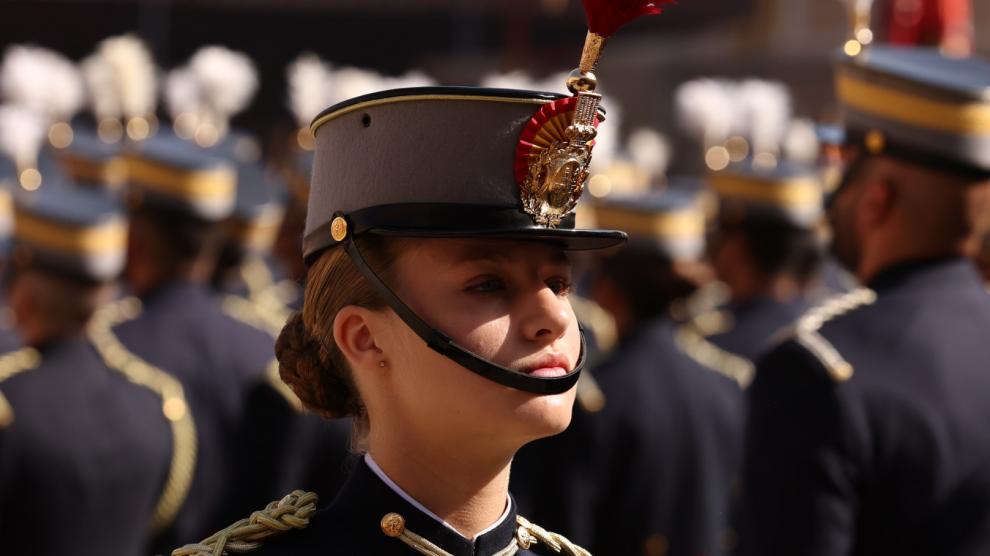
(486, 286)
(559, 286)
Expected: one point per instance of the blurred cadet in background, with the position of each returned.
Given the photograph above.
(9, 338)
(94, 454)
(649, 469)
(178, 199)
(867, 426)
(764, 243)
(766, 249)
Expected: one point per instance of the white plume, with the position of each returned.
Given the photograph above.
(309, 88)
(227, 80)
(649, 150)
(414, 78)
(608, 139)
(41, 80)
(182, 93)
(519, 79)
(707, 110)
(131, 71)
(104, 94)
(515, 79)
(801, 143)
(350, 82)
(767, 106)
(22, 132)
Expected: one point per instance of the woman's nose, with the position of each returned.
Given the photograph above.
(547, 315)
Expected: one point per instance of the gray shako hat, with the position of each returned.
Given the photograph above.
(445, 162)
(462, 162)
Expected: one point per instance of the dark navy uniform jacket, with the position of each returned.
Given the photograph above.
(183, 331)
(755, 323)
(868, 431)
(289, 447)
(351, 525)
(651, 472)
(84, 461)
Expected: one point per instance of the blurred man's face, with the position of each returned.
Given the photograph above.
(842, 213)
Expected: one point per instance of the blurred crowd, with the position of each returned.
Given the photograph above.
(151, 255)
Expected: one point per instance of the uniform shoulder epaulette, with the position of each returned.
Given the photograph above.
(529, 534)
(250, 313)
(692, 342)
(175, 408)
(806, 331)
(589, 394)
(600, 321)
(13, 364)
(290, 513)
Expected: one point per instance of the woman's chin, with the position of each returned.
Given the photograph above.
(543, 415)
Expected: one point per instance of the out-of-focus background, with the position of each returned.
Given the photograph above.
(459, 41)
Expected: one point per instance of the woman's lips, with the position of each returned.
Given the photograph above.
(548, 372)
(549, 366)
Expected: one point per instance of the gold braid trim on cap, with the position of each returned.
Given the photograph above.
(174, 406)
(529, 533)
(805, 332)
(291, 512)
(11, 365)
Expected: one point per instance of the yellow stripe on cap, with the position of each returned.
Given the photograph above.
(684, 223)
(970, 118)
(794, 193)
(110, 236)
(111, 172)
(257, 233)
(193, 185)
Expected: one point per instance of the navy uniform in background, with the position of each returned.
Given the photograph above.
(9, 337)
(179, 197)
(87, 448)
(648, 471)
(868, 426)
(288, 446)
(766, 250)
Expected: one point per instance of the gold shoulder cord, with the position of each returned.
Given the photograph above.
(602, 324)
(11, 365)
(692, 342)
(806, 333)
(292, 512)
(174, 405)
(262, 309)
(529, 533)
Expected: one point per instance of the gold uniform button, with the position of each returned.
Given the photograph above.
(875, 141)
(656, 545)
(338, 228)
(393, 524)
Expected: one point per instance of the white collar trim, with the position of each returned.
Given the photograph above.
(398, 490)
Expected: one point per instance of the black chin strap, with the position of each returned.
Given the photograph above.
(442, 344)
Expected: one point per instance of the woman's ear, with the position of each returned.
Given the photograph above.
(353, 331)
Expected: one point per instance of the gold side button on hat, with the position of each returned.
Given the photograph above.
(338, 228)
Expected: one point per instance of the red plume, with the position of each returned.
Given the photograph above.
(606, 16)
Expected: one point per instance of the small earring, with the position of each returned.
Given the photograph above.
(381, 364)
